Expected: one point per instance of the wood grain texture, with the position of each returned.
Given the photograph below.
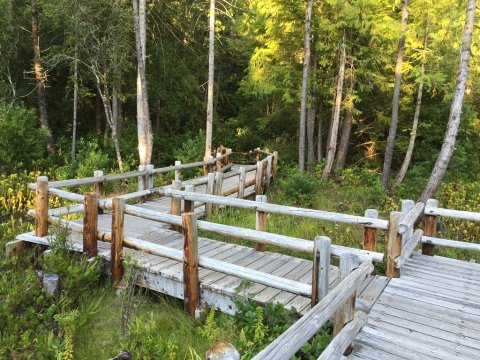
(116, 268)
(191, 284)
(369, 233)
(90, 224)
(394, 247)
(261, 222)
(41, 206)
(430, 227)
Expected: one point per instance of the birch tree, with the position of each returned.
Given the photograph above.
(303, 102)
(211, 74)
(387, 163)
(449, 141)
(332, 141)
(144, 126)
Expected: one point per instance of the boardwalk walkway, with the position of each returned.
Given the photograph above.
(431, 312)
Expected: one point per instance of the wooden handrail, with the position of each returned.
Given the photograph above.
(456, 214)
(287, 344)
(411, 218)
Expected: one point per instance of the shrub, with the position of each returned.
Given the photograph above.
(23, 142)
(297, 188)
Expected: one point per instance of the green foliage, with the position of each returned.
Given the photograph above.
(192, 150)
(297, 188)
(22, 142)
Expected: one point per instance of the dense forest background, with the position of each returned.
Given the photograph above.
(259, 55)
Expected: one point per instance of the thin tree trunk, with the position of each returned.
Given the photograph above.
(392, 133)
(413, 134)
(144, 127)
(346, 129)
(75, 105)
(303, 102)
(332, 143)
(320, 132)
(310, 136)
(456, 109)
(211, 80)
(40, 79)
(115, 108)
(98, 114)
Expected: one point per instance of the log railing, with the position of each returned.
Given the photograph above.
(287, 344)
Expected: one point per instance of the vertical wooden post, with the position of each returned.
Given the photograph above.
(41, 207)
(261, 221)
(219, 161)
(210, 191)
(430, 228)
(99, 188)
(178, 173)
(348, 263)
(191, 285)
(268, 175)
(407, 205)
(394, 248)
(141, 179)
(274, 165)
(258, 178)
(116, 268)
(189, 206)
(90, 224)
(241, 182)
(257, 156)
(225, 159)
(321, 268)
(218, 188)
(370, 234)
(149, 181)
(176, 203)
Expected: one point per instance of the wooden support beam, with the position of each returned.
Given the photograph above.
(90, 224)
(116, 268)
(258, 178)
(274, 165)
(321, 268)
(369, 233)
(407, 232)
(176, 203)
(191, 284)
(394, 247)
(15, 248)
(241, 182)
(268, 175)
(149, 181)
(218, 187)
(189, 205)
(430, 227)
(348, 263)
(219, 159)
(41, 207)
(141, 178)
(210, 191)
(99, 187)
(261, 221)
(178, 172)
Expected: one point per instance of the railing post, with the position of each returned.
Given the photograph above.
(90, 224)
(321, 268)
(407, 205)
(41, 207)
(191, 286)
(189, 206)
(268, 176)
(394, 248)
(149, 180)
(176, 203)
(274, 165)
(258, 178)
(210, 191)
(348, 263)
(99, 188)
(261, 221)
(178, 173)
(370, 234)
(219, 161)
(141, 179)
(257, 156)
(218, 188)
(241, 182)
(430, 228)
(116, 268)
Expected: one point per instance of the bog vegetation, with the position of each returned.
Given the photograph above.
(70, 103)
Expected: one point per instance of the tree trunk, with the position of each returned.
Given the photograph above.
(211, 79)
(98, 114)
(346, 129)
(320, 132)
(116, 109)
(387, 163)
(75, 105)
(40, 79)
(144, 126)
(303, 102)
(456, 109)
(332, 142)
(413, 134)
(310, 136)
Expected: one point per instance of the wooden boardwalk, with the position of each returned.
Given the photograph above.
(431, 312)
